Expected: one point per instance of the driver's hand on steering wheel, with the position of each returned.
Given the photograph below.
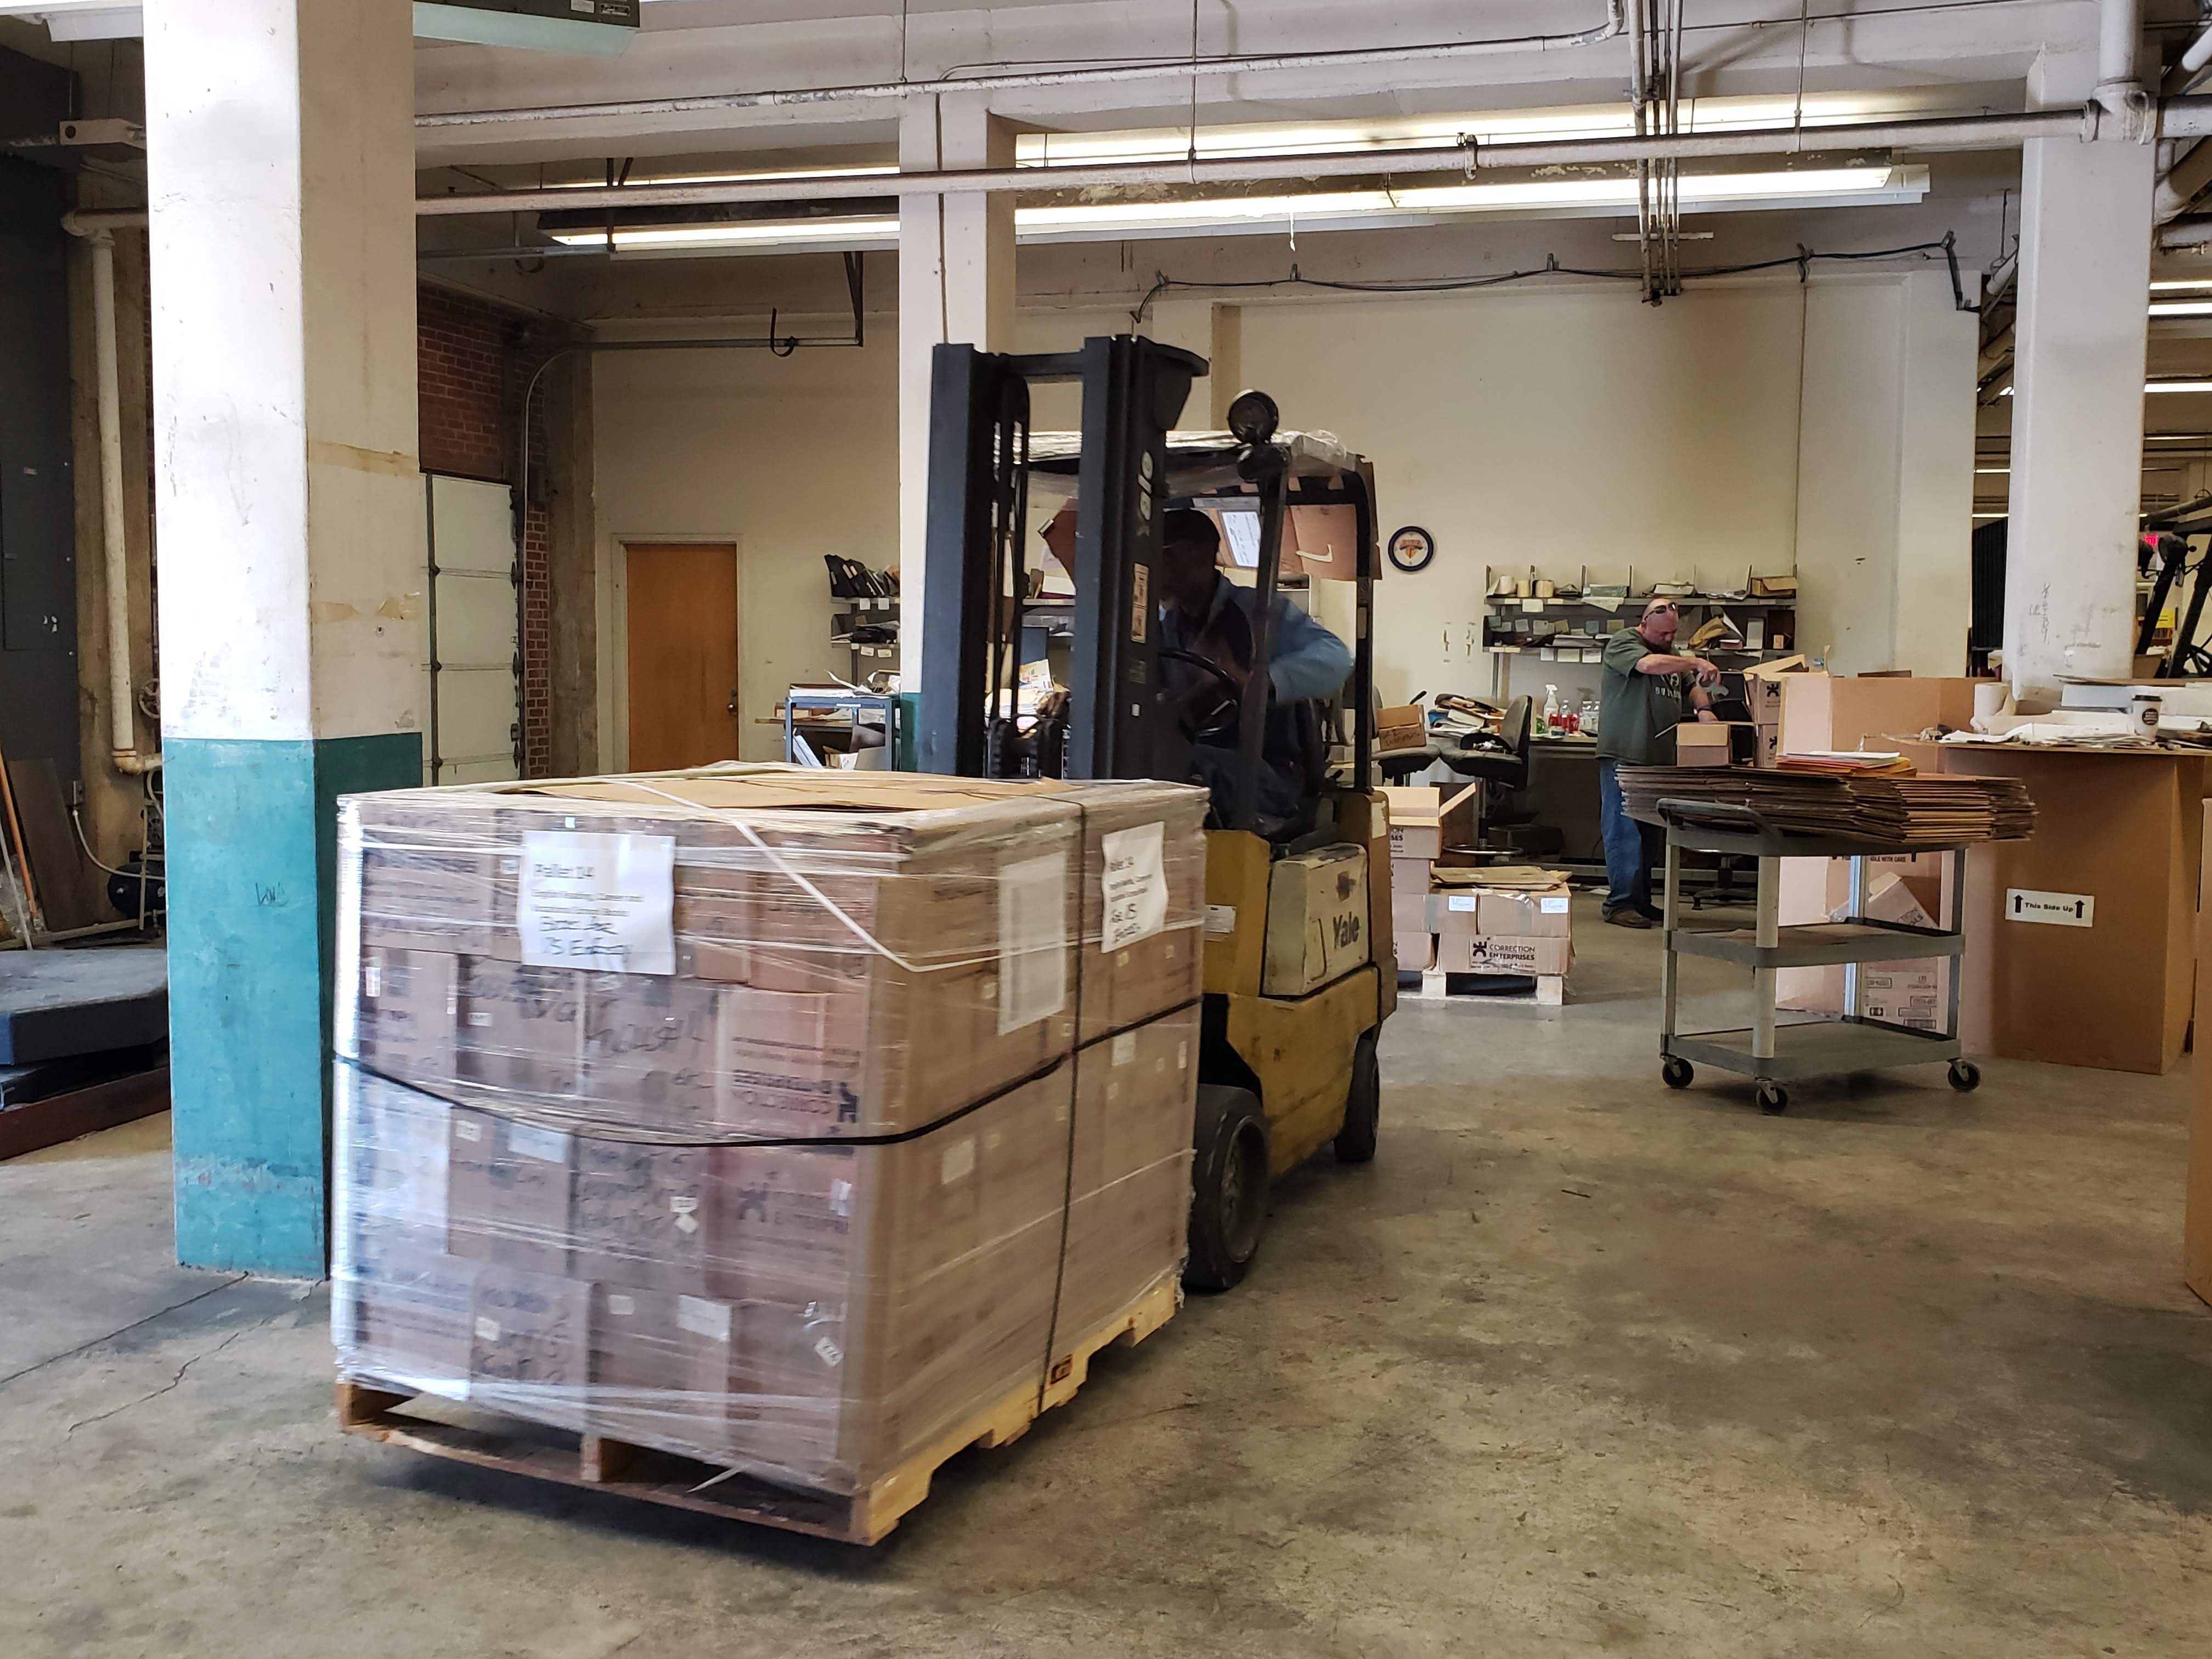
(1218, 653)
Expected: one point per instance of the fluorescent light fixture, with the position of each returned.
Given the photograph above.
(2178, 385)
(1992, 469)
(2178, 285)
(1319, 210)
(2182, 308)
(1980, 517)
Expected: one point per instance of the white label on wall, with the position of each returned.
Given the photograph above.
(1220, 920)
(1032, 941)
(592, 901)
(1135, 885)
(2056, 909)
(703, 1318)
(546, 1145)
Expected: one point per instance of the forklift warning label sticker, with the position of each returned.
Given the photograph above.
(1136, 886)
(1141, 602)
(604, 901)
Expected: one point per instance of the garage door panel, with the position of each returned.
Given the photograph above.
(475, 644)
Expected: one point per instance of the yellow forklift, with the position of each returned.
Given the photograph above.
(1280, 1077)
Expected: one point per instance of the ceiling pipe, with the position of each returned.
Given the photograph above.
(1032, 80)
(2120, 88)
(2176, 117)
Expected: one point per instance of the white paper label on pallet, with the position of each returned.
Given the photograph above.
(1220, 920)
(703, 1318)
(546, 1145)
(2056, 909)
(1459, 902)
(1135, 885)
(1032, 941)
(599, 902)
(959, 1161)
(1552, 904)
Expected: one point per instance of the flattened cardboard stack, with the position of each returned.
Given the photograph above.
(865, 1097)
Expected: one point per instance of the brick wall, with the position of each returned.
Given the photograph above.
(475, 359)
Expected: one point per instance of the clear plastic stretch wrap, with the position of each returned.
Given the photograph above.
(781, 1119)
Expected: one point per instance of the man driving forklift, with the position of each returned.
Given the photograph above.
(1205, 615)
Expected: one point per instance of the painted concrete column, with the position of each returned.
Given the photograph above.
(1933, 590)
(956, 283)
(2077, 404)
(289, 509)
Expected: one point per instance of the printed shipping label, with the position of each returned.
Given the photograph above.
(621, 1306)
(2056, 909)
(702, 1318)
(1459, 902)
(546, 1145)
(1135, 885)
(1553, 904)
(1220, 920)
(591, 901)
(1032, 942)
(1125, 1048)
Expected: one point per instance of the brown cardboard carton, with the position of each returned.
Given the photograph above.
(1412, 876)
(1543, 913)
(509, 1188)
(1316, 919)
(410, 1317)
(1426, 820)
(1143, 941)
(408, 1005)
(530, 1349)
(652, 1050)
(2196, 1215)
(1409, 913)
(1714, 743)
(1401, 726)
(520, 1031)
(1416, 952)
(640, 1215)
(1484, 953)
(1136, 1096)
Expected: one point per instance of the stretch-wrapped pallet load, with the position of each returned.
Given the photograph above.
(781, 1119)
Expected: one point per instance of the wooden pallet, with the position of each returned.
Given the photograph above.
(1433, 985)
(633, 1471)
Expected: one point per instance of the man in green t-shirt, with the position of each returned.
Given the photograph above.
(1639, 701)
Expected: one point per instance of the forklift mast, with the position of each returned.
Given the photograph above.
(1134, 391)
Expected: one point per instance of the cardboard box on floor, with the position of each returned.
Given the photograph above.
(2122, 831)
(2196, 1215)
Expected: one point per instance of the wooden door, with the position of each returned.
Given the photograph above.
(682, 642)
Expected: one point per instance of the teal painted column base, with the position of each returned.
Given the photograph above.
(253, 848)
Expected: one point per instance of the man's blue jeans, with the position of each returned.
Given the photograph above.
(1630, 847)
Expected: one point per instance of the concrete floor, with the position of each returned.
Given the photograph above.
(1578, 1365)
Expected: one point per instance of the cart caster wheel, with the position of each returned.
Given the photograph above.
(1966, 1076)
(1773, 1099)
(1678, 1072)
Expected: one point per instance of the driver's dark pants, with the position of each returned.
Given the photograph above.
(1216, 767)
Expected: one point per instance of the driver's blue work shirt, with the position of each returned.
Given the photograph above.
(1305, 661)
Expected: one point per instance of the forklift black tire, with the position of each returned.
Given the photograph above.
(1363, 1106)
(1228, 1187)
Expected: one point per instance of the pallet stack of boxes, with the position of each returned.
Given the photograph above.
(1516, 921)
(781, 1120)
(1430, 827)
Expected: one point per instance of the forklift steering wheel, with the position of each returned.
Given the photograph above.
(1212, 712)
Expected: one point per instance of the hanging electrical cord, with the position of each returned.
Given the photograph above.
(1163, 283)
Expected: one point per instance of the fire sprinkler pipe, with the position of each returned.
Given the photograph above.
(1034, 80)
(122, 731)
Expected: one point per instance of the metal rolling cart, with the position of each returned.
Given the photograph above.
(1772, 1053)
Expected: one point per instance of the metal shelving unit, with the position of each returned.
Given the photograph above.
(860, 612)
(1770, 1052)
(841, 707)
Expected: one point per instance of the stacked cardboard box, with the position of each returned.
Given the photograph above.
(1428, 827)
(1516, 921)
(761, 1117)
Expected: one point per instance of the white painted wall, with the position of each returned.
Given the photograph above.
(1556, 429)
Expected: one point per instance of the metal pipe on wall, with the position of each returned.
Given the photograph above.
(1032, 80)
(122, 725)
